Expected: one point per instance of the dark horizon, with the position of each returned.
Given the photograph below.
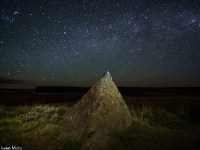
(88, 87)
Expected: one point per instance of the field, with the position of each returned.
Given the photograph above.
(163, 119)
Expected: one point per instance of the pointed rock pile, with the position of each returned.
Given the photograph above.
(100, 113)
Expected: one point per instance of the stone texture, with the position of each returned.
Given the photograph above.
(100, 113)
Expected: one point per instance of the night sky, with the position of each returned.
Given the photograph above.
(142, 43)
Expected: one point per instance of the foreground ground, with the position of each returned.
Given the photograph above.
(159, 123)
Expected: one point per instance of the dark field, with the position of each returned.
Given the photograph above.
(169, 98)
(164, 118)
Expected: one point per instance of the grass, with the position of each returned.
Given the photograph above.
(35, 133)
(154, 127)
(157, 128)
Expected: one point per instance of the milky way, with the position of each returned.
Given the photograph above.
(72, 42)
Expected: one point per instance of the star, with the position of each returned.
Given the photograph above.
(71, 43)
(16, 12)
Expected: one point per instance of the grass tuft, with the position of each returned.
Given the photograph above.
(158, 128)
(41, 111)
(36, 128)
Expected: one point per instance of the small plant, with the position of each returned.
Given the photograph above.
(143, 115)
(182, 113)
(46, 112)
(146, 113)
(1, 110)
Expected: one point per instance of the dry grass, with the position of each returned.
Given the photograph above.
(38, 133)
(155, 127)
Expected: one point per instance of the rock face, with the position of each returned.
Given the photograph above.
(100, 113)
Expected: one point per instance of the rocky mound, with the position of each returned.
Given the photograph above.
(100, 113)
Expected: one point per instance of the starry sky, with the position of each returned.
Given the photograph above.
(142, 43)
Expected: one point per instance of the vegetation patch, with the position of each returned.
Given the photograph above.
(41, 111)
(39, 128)
(153, 128)
(157, 128)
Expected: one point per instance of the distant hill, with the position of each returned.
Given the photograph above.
(127, 91)
(60, 89)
